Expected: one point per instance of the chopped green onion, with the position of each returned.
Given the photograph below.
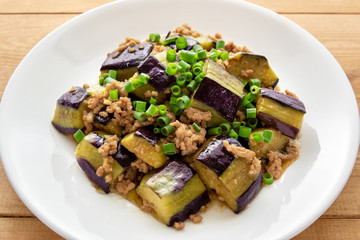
(168, 40)
(197, 48)
(252, 123)
(201, 54)
(134, 103)
(171, 55)
(191, 86)
(235, 125)
(188, 76)
(183, 102)
(129, 87)
(172, 68)
(220, 44)
(244, 82)
(169, 149)
(163, 121)
(268, 135)
(184, 66)
(152, 110)
(225, 127)
(255, 82)
(258, 137)
(213, 56)
(79, 135)
(137, 83)
(246, 100)
(109, 80)
(250, 105)
(181, 43)
(154, 37)
(180, 80)
(197, 68)
(176, 91)
(114, 94)
(254, 90)
(162, 109)
(202, 63)
(175, 109)
(140, 106)
(244, 132)
(167, 130)
(251, 113)
(153, 101)
(188, 56)
(101, 81)
(157, 130)
(200, 77)
(268, 178)
(112, 74)
(173, 101)
(144, 78)
(105, 75)
(233, 134)
(224, 55)
(214, 131)
(196, 127)
(140, 116)
(242, 123)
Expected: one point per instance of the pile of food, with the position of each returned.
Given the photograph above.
(180, 120)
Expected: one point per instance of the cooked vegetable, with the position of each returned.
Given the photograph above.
(241, 62)
(105, 124)
(280, 111)
(126, 62)
(174, 192)
(69, 111)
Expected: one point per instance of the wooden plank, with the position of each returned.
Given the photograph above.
(339, 33)
(334, 229)
(25, 228)
(281, 6)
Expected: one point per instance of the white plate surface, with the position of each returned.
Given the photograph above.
(40, 164)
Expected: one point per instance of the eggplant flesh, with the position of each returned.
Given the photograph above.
(283, 99)
(284, 128)
(148, 134)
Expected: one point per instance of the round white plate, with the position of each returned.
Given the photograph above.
(40, 163)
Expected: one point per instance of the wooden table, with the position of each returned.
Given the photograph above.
(336, 23)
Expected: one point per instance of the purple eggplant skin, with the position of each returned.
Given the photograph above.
(64, 129)
(190, 44)
(95, 140)
(159, 79)
(192, 208)
(103, 120)
(219, 98)
(73, 99)
(177, 171)
(249, 194)
(284, 128)
(123, 156)
(127, 58)
(91, 174)
(215, 156)
(283, 99)
(148, 134)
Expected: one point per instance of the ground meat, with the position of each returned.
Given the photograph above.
(231, 47)
(179, 225)
(291, 94)
(110, 146)
(116, 85)
(186, 30)
(246, 73)
(195, 218)
(158, 49)
(123, 113)
(187, 138)
(146, 207)
(140, 165)
(128, 42)
(276, 158)
(85, 85)
(223, 63)
(255, 164)
(198, 116)
(124, 186)
(88, 118)
(240, 116)
(149, 94)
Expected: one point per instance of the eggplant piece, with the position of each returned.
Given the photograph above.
(105, 124)
(282, 112)
(69, 111)
(219, 92)
(190, 43)
(148, 134)
(240, 62)
(205, 42)
(90, 160)
(145, 150)
(233, 183)
(278, 143)
(126, 62)
(174, 192)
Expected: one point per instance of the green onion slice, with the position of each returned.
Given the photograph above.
(140, 116)
(233, 134)
(258, 137)
(181, 43)
(154, 37)
(196, 127)
(244, 132)
(144, 78)
(157, 130)
(176, 91)
(191, 86)
(172, 68)
(201, 54)
(254, 90)
(184, 66)
(252, 123)
(268, 178)
(197, 68)
(225, 127)
(153, 101)
(224, 55)
(235, 125)
(188, 56)
(251, 113)
(162, 109)
(79, 135)
(268, 135)
(255, 82)
(114, 94)
(168, 40)
(152, 110)
(214, 131)
(171, 55)
(175, 109)
(180, 80)
(129, 87)
(220, 44)
(112, 74)
(197, 48)
(169, 149)
(140, 106)
(163, 121)
(183, 102)
(167, 130)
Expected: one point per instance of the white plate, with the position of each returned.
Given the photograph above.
(40, 164)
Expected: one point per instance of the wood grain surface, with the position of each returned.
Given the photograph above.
(335, 23)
